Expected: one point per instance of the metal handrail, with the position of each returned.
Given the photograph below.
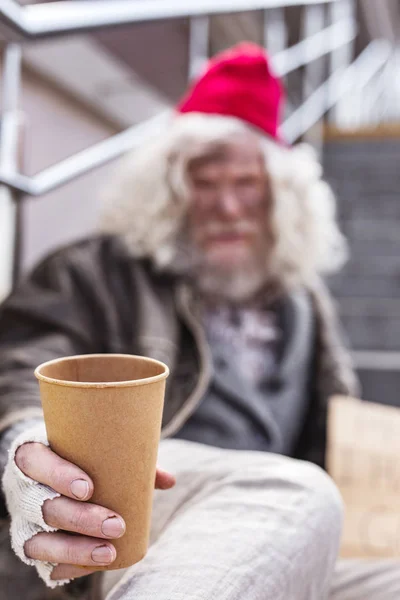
(315, 46)
(45, 20)
(97, 155)
(371, 60)
(199, 35)
(9, 158)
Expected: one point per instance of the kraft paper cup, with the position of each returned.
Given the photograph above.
(103, 413)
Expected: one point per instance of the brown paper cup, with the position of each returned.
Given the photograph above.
(103, 413)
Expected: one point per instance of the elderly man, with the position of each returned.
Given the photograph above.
(210, 257)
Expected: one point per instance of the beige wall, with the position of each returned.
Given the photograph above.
(56, 128)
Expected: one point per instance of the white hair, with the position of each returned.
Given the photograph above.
(147, 200)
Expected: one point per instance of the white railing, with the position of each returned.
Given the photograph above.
(375, 100)
(362, 70)
(315, 46)
(40, 20)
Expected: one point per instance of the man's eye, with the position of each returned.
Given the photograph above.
(204, 184)
(246, 182)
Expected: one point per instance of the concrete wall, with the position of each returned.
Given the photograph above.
(56, 128)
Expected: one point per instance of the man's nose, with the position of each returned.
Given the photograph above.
(229, 205)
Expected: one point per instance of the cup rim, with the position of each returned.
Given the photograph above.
(102, 384)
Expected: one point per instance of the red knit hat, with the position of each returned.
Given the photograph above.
(239, 83)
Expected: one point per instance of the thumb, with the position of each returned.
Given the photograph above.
(164, 480)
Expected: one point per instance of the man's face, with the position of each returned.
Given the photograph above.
(229, 212)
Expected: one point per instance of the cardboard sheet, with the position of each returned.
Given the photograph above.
(364, 460)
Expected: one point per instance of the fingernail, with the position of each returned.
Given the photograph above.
(113, 527)
(102, 554)
(80, 489)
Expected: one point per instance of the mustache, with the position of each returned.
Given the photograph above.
(220, 229)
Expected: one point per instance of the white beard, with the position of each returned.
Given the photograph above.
(236, 286)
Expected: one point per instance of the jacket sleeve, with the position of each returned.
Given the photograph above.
(50, 314)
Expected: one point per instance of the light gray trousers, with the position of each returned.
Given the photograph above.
(247, 525)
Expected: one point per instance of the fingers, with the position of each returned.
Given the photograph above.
(85, 518)
(71, 550)
(45, 466)
(164, 480)
(69, 572)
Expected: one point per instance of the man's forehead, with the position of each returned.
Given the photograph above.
(241, 149)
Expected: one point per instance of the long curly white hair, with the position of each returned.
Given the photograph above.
(147, 200)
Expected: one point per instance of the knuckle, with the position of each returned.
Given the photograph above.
(70, 515)
(57, 475)
(74, 554)
(82, 519)
(61, 474)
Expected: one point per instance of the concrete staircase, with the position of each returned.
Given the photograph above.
(365, 174)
